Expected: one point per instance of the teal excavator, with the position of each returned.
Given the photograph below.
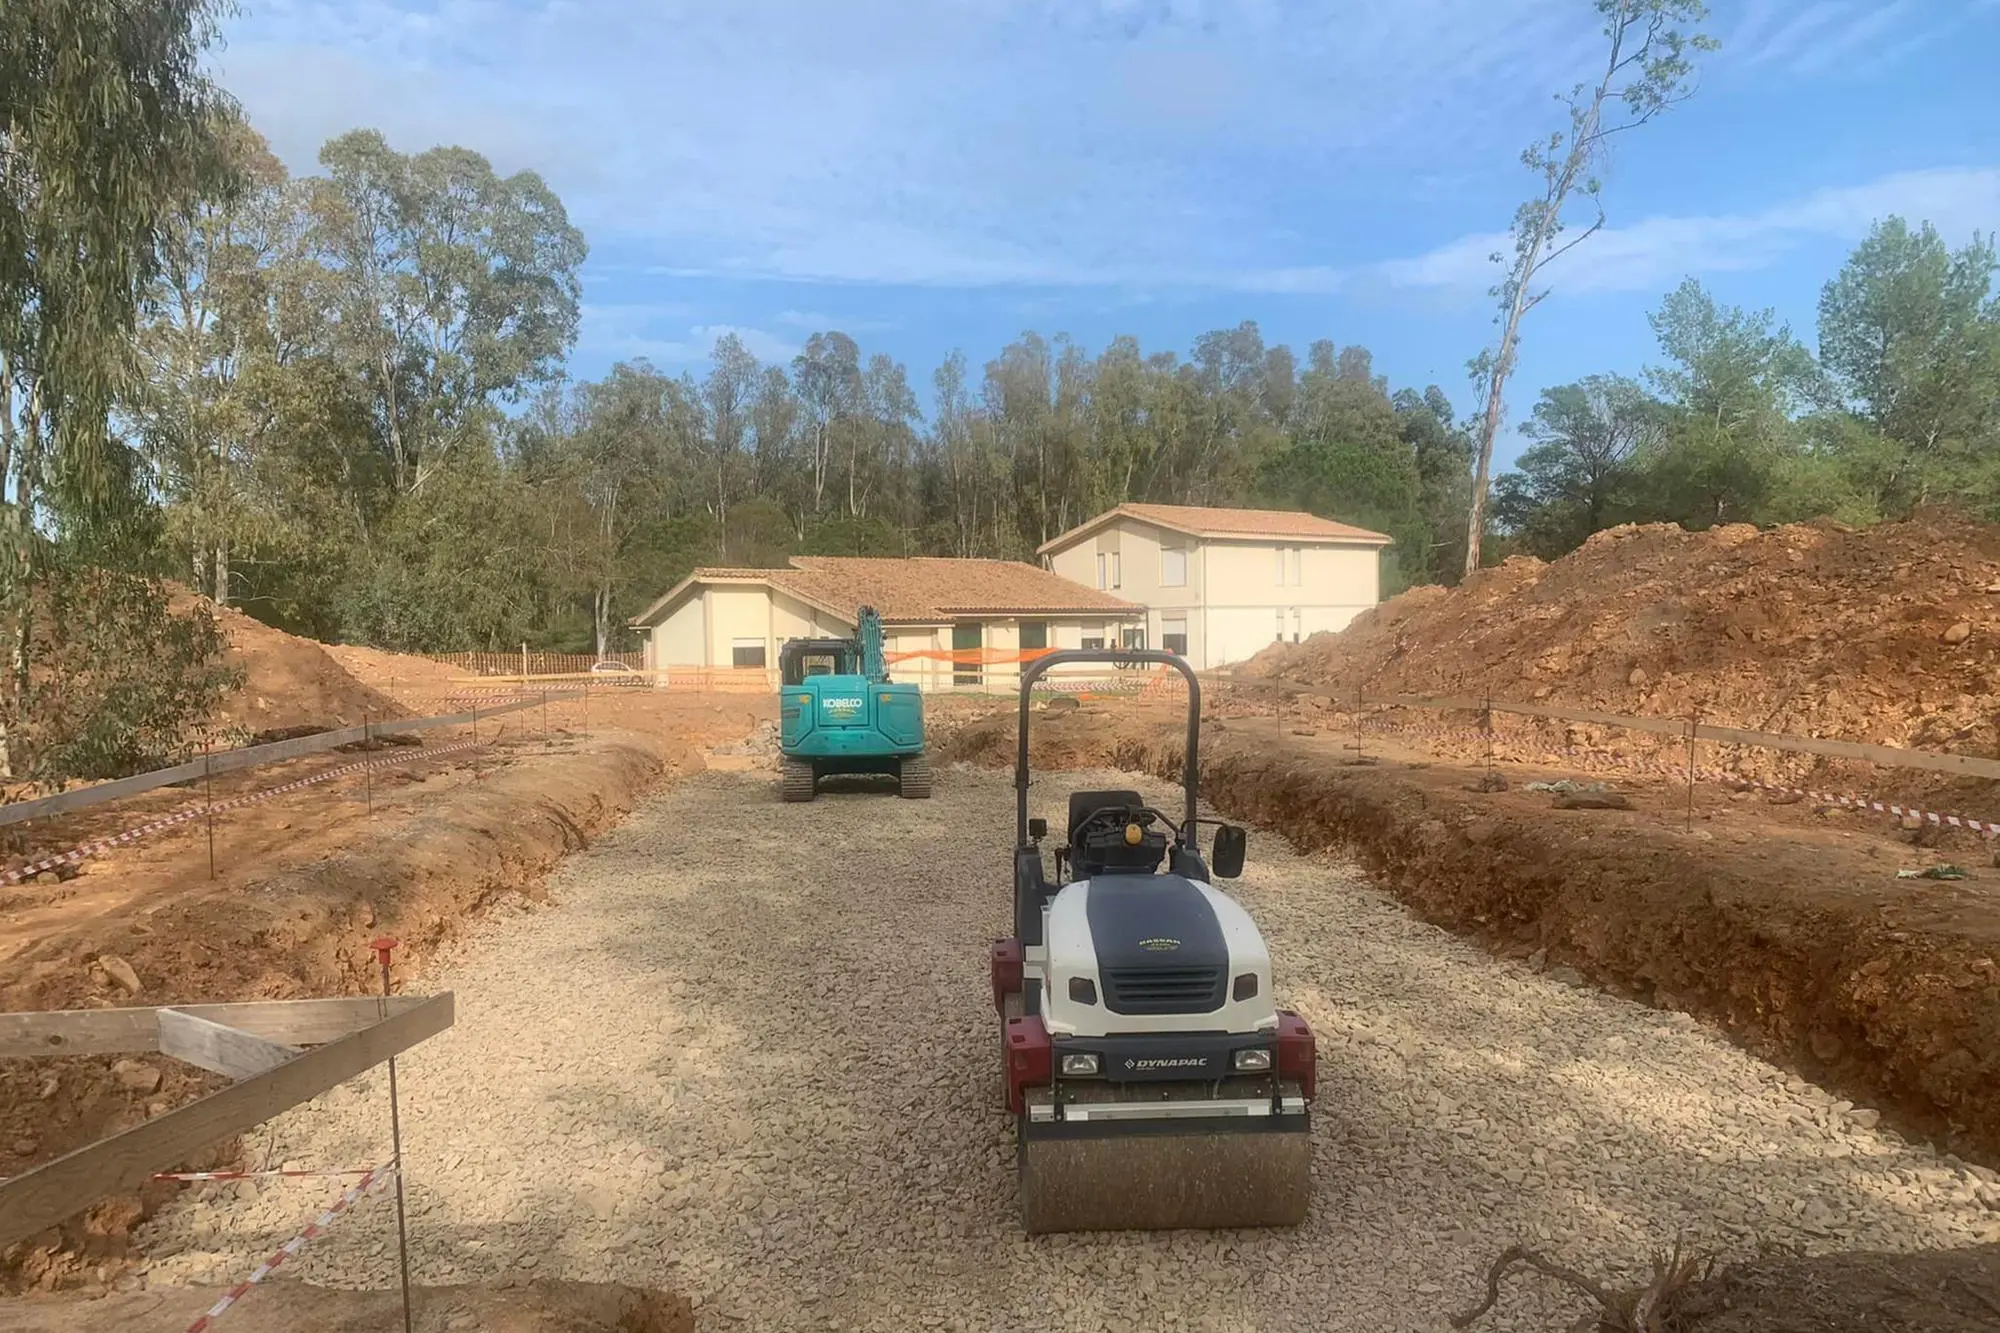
(842, 714)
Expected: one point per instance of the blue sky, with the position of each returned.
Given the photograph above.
(930, 174)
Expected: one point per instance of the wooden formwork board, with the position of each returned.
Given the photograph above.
(279, 1052)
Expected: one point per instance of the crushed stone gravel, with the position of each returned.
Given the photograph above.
(747, 1052)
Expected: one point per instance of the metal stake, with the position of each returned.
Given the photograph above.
(208, 797)
(1694, 723)
(1486, 723)
(383, 947)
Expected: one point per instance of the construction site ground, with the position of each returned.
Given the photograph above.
(678, 1065)
(302, 882)
(745, 1053)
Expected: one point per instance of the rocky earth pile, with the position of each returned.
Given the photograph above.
(1889, 635)
(289, 683)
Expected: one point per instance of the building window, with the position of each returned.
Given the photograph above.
(1297, 557)
(1117, 577)
(1135, 636)
(1173, 636)
(1173, 567)
(1034, 635)
(1281, 625)
(1102, 565)
(1279, 552)
(968, 661)
(1093, 643)
(746, 653)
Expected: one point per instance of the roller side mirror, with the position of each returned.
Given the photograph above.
(1226, 860)
(1038, 829)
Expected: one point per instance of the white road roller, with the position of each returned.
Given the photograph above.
(1153, 1080)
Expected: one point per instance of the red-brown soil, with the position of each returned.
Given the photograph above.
(302, 882)
(1888, 635)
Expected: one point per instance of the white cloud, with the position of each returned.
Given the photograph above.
(814, 321)
(978, 143)
(657, 333)
(1661, 250)
(1827, 37)
(964, 142)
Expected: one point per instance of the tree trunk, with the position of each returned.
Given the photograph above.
(400, 458)
(222, 572)
(602, 614)
(1489, 425)
(21, 517)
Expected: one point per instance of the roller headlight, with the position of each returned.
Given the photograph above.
(1081, 1064)
(1253, 1060)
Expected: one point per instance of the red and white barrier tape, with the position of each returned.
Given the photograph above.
(85, 851)
(290, 1248)
(1984, 828)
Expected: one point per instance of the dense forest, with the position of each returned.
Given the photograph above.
(341, 401)
(355, 421)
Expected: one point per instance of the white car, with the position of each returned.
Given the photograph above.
(617, 673)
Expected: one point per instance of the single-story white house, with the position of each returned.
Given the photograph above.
(948, 623)
(1219, 584)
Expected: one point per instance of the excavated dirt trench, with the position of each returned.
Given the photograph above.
(1797, 939)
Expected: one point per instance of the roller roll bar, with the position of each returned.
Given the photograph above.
(1117, 657)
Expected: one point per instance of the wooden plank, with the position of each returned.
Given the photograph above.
(136, 1031)
(1964, 765)
(253, 756)
(55, 1190)
(217, 1047)
(1658, 726)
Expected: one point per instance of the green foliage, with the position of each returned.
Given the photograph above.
(1910, 334)
(108, 128)
(118, 682)
(1901, 408)
(461, 568)
(1648, 67)
(856, 536)
(1581, 473)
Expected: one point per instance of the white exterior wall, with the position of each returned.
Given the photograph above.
(1250, 606)
(1234, 597)
(680, 639)
(701, 632)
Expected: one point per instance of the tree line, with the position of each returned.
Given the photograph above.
(1739, 422)
(352, 419)
(341, 401)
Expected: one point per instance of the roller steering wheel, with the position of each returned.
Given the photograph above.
(1111, 817)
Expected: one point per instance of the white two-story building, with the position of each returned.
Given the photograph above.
(1219, 584)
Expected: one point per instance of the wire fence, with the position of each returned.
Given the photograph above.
(395, 735)
(1681, 752)
(530, 662)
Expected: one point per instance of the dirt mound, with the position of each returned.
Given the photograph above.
(1886, 634)
(396, 673)
(290, 683)
(301, 932)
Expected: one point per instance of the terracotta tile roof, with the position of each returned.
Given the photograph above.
(922, 590)
(927, 589)
(1200, 521)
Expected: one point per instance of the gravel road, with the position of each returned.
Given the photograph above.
(748, 1053)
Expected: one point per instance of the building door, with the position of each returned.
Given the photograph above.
(967, 638)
